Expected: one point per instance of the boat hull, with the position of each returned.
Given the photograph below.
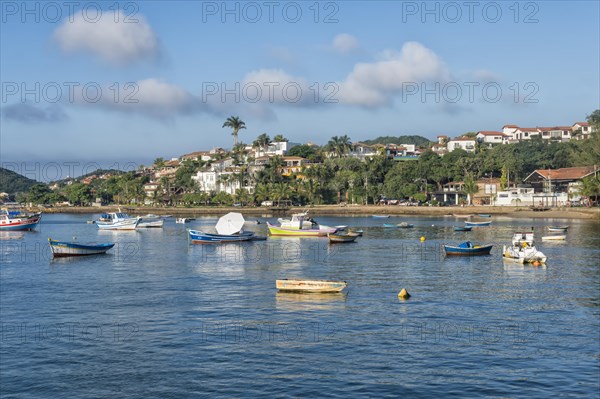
(20, 224)
(476, 251)
(342, 238)
(320, 286)
(523, 255)
(463, 228)
(151, 224)
(64, 249)
(558, 228)
(199, 237)
(281, 231)
(477, 224)
(561, 237)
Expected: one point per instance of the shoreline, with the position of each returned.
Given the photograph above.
(352, 210)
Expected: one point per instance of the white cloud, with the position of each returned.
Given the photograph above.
(344, 43)
(375, 84)
(119, 43)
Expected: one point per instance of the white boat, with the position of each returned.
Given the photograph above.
(296, 285)
(156, 223)
(117, 221)
(183, 220)
(558, 228)
(520, 238)
(523, 254)
(298, 221)
(555, 237)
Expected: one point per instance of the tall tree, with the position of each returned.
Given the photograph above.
(470, 187)
(236, 124)
(279, 138)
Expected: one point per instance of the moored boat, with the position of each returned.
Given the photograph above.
(322, 231)
(381, 216)
(467, 249)
(342, 238)
(484, 215)
(321, 286)
(405, 225)
(555, 237)
(359, 232)
(183, 220)
(389, 225)
(152, 223)
(558, 228)
(63, 249)
(523, 238)
(460, 228)
(200, 237)
(477, 224)
(117, 221)
(18, 221)
(523, 253)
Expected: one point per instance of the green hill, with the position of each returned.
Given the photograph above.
(11, 182)
(419, 141)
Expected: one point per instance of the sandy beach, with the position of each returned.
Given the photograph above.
(352, 210)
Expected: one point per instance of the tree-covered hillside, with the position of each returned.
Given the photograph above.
(419, 141)
(11, 182)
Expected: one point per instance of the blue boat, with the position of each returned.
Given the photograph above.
(468, 249)
(477, 224)
(200, 237)
(62, 249)
(459, 228)
(390, 225)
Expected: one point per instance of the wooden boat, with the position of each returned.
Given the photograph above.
(200, 237)
(405, 225)
(555, 237)
(341, 238)
(477, 224)
(62, 249)
(459, 228)
(157, 223)
(468, 249)
(296, 285)
(117, 221)
(18, 221)
(558, 228)
(523, 253)
(322, 231)
(381, 216)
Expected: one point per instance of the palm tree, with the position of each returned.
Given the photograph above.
(279, 138)
(470, 187)
(339, 145)
(236, 124)
(262, 142)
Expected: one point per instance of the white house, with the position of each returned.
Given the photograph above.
(465, 143)
(492, 137)
(581, 130)
(275, 148)
(558, 133)
(212, 181)
(362, 150)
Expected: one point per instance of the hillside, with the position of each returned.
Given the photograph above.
(11, 182)
(416, 140)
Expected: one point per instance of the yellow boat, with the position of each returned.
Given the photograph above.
(283, 231)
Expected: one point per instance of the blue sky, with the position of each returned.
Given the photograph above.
(359, 68)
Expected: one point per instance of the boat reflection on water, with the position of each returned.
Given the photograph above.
(515, 269)
(301, 301)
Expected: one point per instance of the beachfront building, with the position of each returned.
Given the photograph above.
(465, 143)
(452, 194)
(581, 130)
(488, 191)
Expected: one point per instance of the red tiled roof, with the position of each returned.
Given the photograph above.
(581, 124)
(567, 173)
(463, 139)
(528, 129)
(509, 126)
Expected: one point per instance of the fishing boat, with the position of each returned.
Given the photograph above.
(157, 223)
(117, 221)
(555, 237)
(322, 286)
(405, 225)
(200, 237)
(460, 228)
(62, 249)
(381, 216)
(10, 221)
(558, 228)
(321, 231)
(523, 253)
(341, 238)
(229, 229)
(467, 249)
(519, 239)
(477, 224)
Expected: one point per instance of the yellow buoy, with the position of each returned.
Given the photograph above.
(403, 294)
(422, 238)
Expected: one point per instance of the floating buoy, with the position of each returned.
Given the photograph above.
(422, 238)
(536, 263)
(403, 294)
